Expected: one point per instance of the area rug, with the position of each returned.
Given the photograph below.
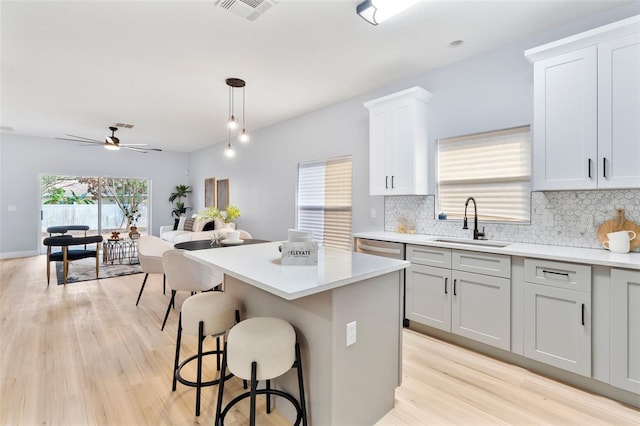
(85, 270)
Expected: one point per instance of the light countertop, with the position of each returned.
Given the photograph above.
(259, 265)
(540, 251)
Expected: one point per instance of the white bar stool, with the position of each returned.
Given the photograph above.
(210, 313)
(257, 349)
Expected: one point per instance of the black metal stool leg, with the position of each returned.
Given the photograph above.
(268, 397)
(303, 402)
(201, 338)
(221, 386)
(177, 359)
(254, 385)
(142, 288)
(164, 284)
(171, 302)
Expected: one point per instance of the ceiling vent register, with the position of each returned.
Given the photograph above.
(247, 9)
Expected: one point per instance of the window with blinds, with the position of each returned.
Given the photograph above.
(493, 167)
(324, 201)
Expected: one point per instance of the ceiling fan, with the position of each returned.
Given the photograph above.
(112, 142)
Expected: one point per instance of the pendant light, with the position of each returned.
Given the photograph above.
(232, 121)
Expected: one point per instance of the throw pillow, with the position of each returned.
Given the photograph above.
(175, 224)
(188, 224)
(198, 225)
(209, 226)
(183, 219)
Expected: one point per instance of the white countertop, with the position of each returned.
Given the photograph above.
(259, 265)
(541, 251)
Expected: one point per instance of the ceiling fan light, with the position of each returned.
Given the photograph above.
(244, 136)
(111, 147)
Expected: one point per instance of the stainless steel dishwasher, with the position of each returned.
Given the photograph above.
(385, 249)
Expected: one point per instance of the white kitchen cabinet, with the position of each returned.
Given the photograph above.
(586, 108)
(398, 155)
(557, 314)
(625, 329)
(463, 292)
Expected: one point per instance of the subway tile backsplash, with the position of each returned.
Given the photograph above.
(566, 208)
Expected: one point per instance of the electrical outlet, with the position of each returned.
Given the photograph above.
(373, 213)
(547, 220)
(587, 221)
(351, 333)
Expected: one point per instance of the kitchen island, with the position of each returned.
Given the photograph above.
(345, 385)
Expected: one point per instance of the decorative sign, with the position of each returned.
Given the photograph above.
(299, 254)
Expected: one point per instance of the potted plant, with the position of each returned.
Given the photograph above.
(230, 214)
(181, 192)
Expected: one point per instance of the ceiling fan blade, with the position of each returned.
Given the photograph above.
(82, 137)
(134, 144)
(140, 150)
(81, 140)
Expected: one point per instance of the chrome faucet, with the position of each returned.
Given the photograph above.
(477, 235)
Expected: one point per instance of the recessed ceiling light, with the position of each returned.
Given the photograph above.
(456, 43)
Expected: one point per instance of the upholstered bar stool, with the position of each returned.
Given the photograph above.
(261, 348)
(210, 313)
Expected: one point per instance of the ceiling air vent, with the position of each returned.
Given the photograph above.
(247, 9)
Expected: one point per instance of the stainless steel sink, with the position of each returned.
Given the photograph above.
(481, 243)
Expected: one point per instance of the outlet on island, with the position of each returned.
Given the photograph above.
(351, 333)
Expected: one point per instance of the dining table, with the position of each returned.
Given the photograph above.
(208, 244)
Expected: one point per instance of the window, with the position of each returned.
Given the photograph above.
(324, 201)
(492, 167)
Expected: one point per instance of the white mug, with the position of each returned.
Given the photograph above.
(233, 235)
(617, 245)
(621, 235)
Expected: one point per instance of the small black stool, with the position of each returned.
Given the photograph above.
(257, 349)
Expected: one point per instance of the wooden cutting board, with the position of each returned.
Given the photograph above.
(619, 223)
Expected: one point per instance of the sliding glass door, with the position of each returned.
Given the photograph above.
(106, 205)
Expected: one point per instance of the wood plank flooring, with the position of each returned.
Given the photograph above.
(84, 354)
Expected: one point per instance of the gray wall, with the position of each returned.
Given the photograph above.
(23, 159)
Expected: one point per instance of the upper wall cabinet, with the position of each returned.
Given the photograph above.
(587, 109)
(398, 143)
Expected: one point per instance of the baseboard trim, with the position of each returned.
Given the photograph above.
(17, 254)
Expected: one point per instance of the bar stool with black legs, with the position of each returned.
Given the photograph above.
(261, 348)
(210, 313)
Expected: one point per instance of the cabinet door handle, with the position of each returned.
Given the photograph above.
(392, 183)
(454, 287)
(583, 314)
(604, 167)
(386, 182)
(445, 285)
(589, 168)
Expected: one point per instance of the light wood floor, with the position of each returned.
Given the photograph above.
(84, 354)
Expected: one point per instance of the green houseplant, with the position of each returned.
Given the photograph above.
(231, 213)
(181, 192)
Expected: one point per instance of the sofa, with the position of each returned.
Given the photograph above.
(195, 228)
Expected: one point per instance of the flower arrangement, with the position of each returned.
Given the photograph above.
(230, 214)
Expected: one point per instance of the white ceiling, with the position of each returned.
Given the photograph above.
(80, 66)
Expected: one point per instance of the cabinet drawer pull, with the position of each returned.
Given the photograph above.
(392, 184)
(583, 314)
(589, 168)
(565, 274)
(604, 167)
(454, 287)
(386, 182)
(445, 285)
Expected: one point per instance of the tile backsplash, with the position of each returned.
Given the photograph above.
(566, 208)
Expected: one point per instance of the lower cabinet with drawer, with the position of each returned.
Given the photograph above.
(557, 321)
(463, 292)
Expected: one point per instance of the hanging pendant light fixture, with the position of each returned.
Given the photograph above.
(233, 122)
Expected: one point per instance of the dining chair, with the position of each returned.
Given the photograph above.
(150, 251)
(185, 274)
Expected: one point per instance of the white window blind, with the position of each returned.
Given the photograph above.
(324, 200)
(492, 167)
